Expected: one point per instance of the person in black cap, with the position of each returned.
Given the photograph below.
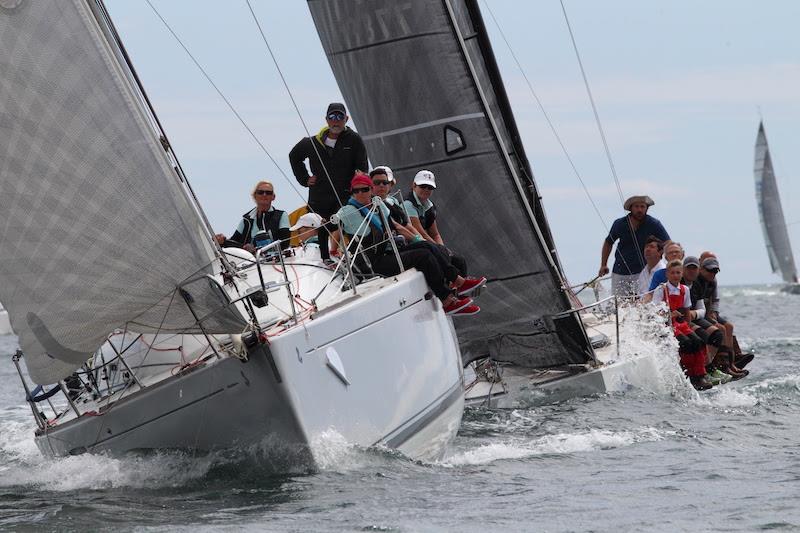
(334, 155)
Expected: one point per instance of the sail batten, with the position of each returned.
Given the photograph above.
(97, 227)
(431, 97)
(773, 223)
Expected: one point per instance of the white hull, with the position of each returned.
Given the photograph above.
(380, 368)
(518, 386)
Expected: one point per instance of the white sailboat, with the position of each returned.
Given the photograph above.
(425, 92)
(5, 324)
(156, 337)
(770, 214)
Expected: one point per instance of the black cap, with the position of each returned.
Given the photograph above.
(336, 107)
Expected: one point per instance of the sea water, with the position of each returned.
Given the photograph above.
(655, 458)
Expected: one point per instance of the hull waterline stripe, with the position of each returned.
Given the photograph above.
(440, 405)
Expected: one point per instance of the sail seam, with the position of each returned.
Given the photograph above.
(422, 125)
(381, 43)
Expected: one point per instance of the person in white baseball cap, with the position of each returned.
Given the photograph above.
(422, 213)
(306, 227)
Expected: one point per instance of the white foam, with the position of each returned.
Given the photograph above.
(727, 397)
(562, 443)
(644, 331)
(24, 465)
(332, 451)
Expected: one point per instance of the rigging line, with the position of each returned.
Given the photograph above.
(600, 127)
(591, 100)
(294, 103)
(546, 117)
(227, 101)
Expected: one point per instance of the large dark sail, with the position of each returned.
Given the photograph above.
(779, 248)
(425, 93)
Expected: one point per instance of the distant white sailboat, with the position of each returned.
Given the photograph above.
(208, 348)
(770, 211)
(5, 324)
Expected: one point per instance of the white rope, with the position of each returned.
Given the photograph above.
(294, 103)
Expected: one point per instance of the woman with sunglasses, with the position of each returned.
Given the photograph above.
(422, 213)
(262, 219)
(357, 221)
(382, 182)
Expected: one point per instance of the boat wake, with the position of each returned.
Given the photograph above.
(558, 444)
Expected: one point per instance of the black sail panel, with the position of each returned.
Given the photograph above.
(424, 90)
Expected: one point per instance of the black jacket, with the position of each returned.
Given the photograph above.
(341, 162)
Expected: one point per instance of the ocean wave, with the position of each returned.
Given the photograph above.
(561, 443)
(739, 292)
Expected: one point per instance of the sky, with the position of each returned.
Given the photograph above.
(680, 87)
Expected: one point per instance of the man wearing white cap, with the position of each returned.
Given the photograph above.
(422, 213)
(632, 232)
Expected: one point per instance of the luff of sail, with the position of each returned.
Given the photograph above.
(97, 229)
(770, 212)
(425, 92)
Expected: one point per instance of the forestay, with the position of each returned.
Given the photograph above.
(770, 212)
(97, 229)
(421, 81)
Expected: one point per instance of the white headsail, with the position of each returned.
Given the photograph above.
(97, 228)
(779, 248)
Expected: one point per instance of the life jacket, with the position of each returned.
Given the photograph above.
(429, 217)
(676, 302)
(268, 221)
(370, 243)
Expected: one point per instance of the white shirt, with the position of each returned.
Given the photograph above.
(646, 276)
(658, 294)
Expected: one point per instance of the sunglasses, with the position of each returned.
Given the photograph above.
(336, 116)
(264, 193)
(381, 182)
(361, 189)
(712, 270)
(426, 187)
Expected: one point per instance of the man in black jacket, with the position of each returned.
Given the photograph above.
(334, 155)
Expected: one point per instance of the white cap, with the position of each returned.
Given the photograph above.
(425, 177)
(386, 170)
(309, 220)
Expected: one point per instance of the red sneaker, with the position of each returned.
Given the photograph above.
(457, 305)
(471, 285)
(471, 309)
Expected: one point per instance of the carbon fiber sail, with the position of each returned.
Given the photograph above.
(97, 229)
(425, 92)
(770, 212)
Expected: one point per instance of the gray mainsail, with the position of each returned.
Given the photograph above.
(425, 93)
(97, 228)
(770, 212)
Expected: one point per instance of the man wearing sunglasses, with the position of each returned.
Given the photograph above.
(262, 219)
(334, 155)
